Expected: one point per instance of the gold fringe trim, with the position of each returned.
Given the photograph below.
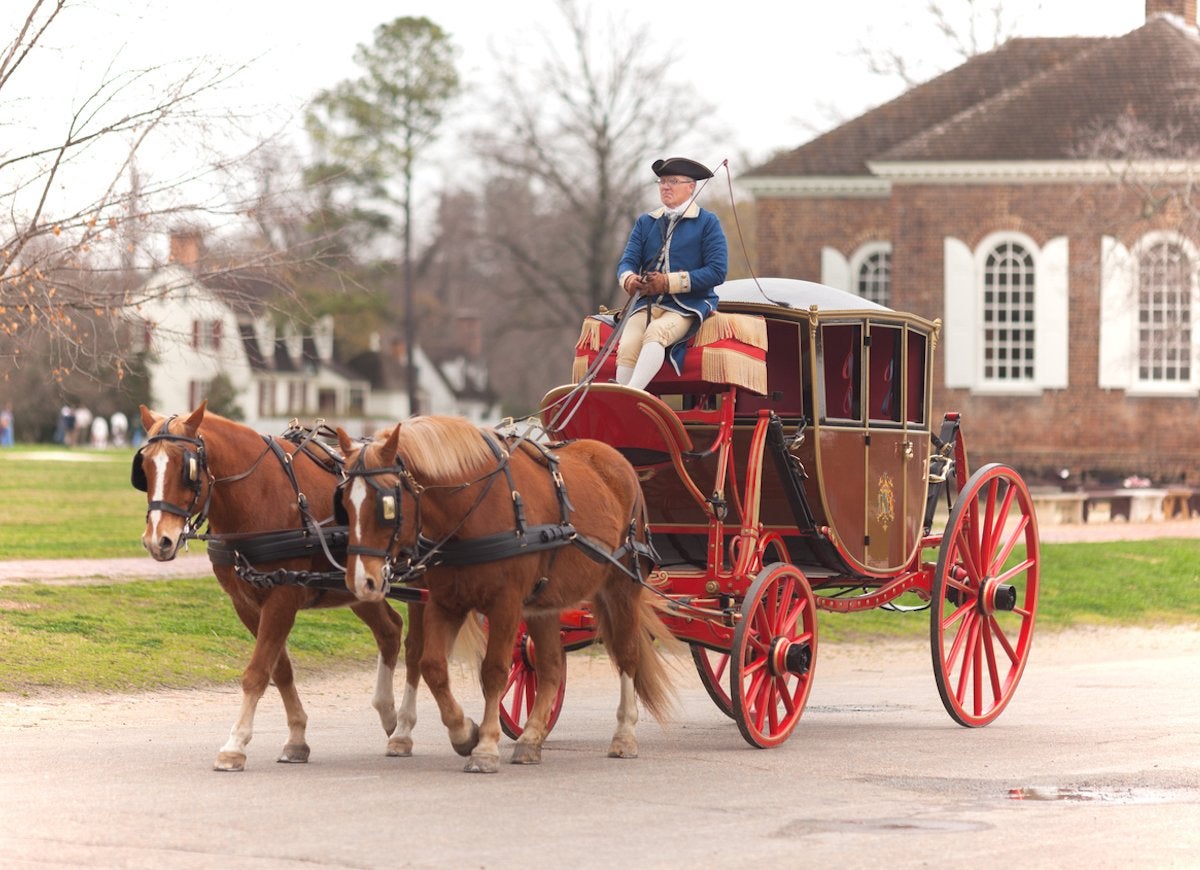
(725, 365)
(589, 338)
(747, 328)
(579, 369)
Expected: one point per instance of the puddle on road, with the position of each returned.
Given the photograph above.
(1104, 795)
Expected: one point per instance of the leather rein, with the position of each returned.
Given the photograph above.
(406, 565)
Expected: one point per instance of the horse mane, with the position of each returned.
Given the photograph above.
(442, 449)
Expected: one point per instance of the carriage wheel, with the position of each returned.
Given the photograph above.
(517, 700)
(711, 666)
(984, 596)
(773, 656)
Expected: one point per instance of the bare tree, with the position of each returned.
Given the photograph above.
(568, 147)
(89, 187)
(964, 29)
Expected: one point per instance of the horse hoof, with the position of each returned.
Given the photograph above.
(623, 750)
(464, 747)
(483, 764)
(400, 747)
(526, 753)
(294, 753)
(230, 761)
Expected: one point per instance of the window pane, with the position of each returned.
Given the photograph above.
(1164, 312)
(874, 277)
(1008, 353)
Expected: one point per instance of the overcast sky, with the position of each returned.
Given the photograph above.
(777, 73)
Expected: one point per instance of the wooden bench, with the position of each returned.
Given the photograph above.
(1177, 503)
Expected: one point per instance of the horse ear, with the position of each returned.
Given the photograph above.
(149, 418)
(344, 441)
(392, 443)
(192, 423)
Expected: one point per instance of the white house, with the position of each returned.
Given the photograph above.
(196, 331)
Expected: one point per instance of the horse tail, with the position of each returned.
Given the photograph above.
(471, 642)
(652, 680)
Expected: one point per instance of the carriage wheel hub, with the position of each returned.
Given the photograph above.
(789, 658)
(998, 596)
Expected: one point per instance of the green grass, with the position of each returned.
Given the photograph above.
(1116, 583)
(142, 635)
(151, 634)
(80, 506)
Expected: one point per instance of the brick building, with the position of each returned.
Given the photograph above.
(1040, 200)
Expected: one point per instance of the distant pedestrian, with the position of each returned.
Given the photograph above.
(6, 425)
(118, 428)
(100, 431)
(83, 426)
(64, 432)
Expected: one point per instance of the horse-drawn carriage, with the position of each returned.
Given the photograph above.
(790, 466)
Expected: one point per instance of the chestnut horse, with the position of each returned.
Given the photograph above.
(205, 464)
(468, 491)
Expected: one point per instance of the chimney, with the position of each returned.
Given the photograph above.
(185, 248)
(1184, 10)
(469, 333)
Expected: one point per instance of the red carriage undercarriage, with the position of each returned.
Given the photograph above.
(791, 467)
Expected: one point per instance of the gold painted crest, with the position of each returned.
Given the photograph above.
(885, 501)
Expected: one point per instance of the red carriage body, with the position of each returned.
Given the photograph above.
(791, 466)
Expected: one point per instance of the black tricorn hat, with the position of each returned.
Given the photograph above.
(680, 166)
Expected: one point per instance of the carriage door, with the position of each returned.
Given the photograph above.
(891, 456)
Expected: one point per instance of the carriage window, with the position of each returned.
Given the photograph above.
(885, 374)
(841, 351)
(917, 344)
(785, 375)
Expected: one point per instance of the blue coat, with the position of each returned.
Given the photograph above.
(697, 247)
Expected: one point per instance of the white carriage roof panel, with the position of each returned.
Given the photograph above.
(793, 293)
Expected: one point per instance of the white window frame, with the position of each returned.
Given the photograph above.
(1119, 286)
(963, 324)
(860, 258)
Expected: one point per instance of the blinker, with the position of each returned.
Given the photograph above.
(387, 507)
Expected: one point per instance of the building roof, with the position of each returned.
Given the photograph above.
(1029, 99)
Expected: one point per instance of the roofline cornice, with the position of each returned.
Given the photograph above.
(811, 186)
(1032, 171)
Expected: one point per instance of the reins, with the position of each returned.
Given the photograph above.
(402, 565)
(245, 549)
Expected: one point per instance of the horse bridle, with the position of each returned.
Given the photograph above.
(397, 561)
(193, 473)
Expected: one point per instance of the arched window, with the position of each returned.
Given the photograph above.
(873, 277)
(1009, 329)
(1164, 312)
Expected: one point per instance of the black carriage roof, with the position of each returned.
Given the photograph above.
(793, 293)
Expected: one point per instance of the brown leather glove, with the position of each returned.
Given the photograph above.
(634, 285)
(657, 283)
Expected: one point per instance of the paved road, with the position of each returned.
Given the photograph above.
(1095, 764)
(1102, 741)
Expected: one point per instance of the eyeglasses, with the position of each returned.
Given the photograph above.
(674, 182)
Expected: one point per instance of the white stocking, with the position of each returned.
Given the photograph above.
(649, 361)
(624, 373)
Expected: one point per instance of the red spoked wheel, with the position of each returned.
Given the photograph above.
(773, 656)
(517, 700)
(712, 666)
(984, 596)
